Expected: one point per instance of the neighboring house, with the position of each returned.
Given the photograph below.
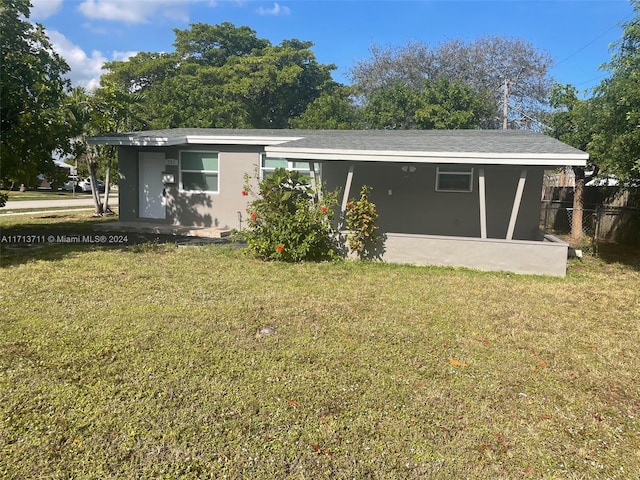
(447, 197)
(566, 178)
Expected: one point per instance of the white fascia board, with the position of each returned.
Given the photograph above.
(139, 141)
(134, 141)
(237, 140)
(473, 158)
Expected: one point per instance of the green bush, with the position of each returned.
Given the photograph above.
(360, 218)
(287, 222)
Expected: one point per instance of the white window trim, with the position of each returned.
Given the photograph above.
(444, 170)
(290, 166)
(217, 172)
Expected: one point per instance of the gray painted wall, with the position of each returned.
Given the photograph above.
(193, 209)
(407, 202)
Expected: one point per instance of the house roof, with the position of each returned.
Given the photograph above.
(512, 147)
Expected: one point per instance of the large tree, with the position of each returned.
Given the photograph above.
(32, 90)
(606, 125)
(439, 104)
(334, 109)
(573, 121)
(224, 76)
(107, 109)
(509, 75)
(615, 145)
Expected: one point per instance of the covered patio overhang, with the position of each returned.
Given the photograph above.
(547, 256)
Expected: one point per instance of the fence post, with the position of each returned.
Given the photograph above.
(596, 230)
(546, 218)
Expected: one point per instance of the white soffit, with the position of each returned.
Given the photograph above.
(476, 158)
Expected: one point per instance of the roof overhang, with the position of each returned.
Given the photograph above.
(395, 156)
(171, 140)
(285, 144)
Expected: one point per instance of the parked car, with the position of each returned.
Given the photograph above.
(82, 185)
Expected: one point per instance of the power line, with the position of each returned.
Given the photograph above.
(595, 39)
(589, 81)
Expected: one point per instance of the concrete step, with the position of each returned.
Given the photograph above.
(164, 229)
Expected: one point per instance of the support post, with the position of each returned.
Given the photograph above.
(347, 189)
(314, 181)
(516, 204)
(483, 204)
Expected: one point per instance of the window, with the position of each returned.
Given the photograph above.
(454, 179)
(199, 171)
(269, 164)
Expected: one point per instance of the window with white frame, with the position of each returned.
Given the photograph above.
(454, 179)
(199, 171)
(269, 164)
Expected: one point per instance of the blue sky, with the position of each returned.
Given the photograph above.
(577, 33)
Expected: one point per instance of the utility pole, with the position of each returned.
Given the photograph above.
(505, 104)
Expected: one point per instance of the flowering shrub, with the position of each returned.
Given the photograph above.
(360, 219)
(287, 223)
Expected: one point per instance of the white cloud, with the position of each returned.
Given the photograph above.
(135, 11)
(85, 69)
(122, 56)
(42, 9)
(276, 10)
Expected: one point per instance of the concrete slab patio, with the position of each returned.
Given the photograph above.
(163, 229)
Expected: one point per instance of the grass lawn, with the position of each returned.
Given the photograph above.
(148, 362)
(65, 218)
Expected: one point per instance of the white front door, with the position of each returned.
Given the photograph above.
(150, 188)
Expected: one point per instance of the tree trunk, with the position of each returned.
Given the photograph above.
(505, 105)
(578, 205)
(94, 185)
(107, 183)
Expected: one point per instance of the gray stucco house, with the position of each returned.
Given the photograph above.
(446, 197)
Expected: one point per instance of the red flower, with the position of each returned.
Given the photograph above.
(244, 193)
(323, 209)
(254, 215)
(280, 248)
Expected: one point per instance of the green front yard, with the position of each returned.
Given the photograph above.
(148, 362)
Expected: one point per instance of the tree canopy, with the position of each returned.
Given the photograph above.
(615, 144)
(223, 76)
(32, 90)
(439, 104)
(497, 70)
(334, 109)
(607, 125)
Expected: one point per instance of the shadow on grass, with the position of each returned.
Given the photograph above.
(623, 254)
(17, 254)
(64, 237)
